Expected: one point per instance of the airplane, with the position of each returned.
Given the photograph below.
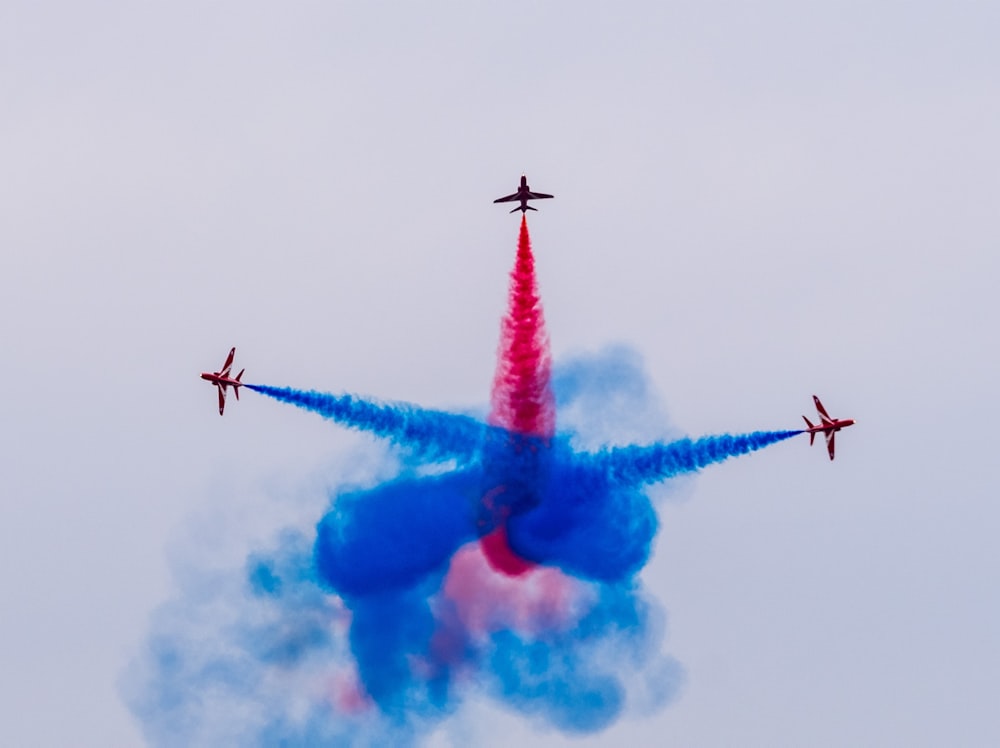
(523, 194)
(221, 379)
(828, 426)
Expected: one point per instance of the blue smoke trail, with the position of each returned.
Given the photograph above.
(638, 465)
(373, 624)
(437, 435)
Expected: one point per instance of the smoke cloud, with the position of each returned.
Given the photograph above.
(511, 575)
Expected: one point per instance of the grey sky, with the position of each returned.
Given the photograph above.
(766, 200)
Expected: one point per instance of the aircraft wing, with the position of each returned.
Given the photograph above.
(508, 198)
(228, 365)
(222, 398)
(537, 195)
(830, 437)
(821, 410)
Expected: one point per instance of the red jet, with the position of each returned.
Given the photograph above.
(221, 379)
(523, 194)
(828, 426)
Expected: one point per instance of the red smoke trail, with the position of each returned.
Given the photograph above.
(522, 400)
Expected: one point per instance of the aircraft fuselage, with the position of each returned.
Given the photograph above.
(836, 425)
(220, 380)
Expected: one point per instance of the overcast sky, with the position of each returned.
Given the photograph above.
(765, 200)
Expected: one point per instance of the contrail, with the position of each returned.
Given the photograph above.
(522, 404)
(640, 465)
(432, 434)
(522, 400)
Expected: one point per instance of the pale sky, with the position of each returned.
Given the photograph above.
(764, 200)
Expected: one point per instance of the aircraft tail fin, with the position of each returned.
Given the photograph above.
(812, 434)
(236, 389)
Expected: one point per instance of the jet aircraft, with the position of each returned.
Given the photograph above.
(828, 426)
(221, 379)
(523, 195)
